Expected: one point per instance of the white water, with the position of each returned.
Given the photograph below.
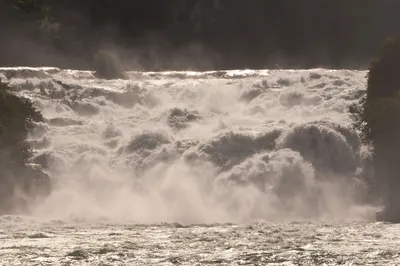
(196, 150)
(198, 147)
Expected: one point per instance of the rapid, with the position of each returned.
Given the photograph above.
(239, 156)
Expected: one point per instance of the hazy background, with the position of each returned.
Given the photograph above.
(196, 34)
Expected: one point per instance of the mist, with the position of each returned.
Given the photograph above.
(198, 147)
(192, 35)
(192, 132)
(145, 120)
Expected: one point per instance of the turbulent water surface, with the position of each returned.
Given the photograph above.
(198, 168)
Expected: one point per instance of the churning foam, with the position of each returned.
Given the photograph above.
(197, 147)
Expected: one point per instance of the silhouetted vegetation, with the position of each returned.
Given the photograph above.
(176, 34)
(20, 182)
(379, 120)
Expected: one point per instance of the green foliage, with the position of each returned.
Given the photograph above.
(17, 118)
(32, 8)
(27, 6)
(35, 10)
